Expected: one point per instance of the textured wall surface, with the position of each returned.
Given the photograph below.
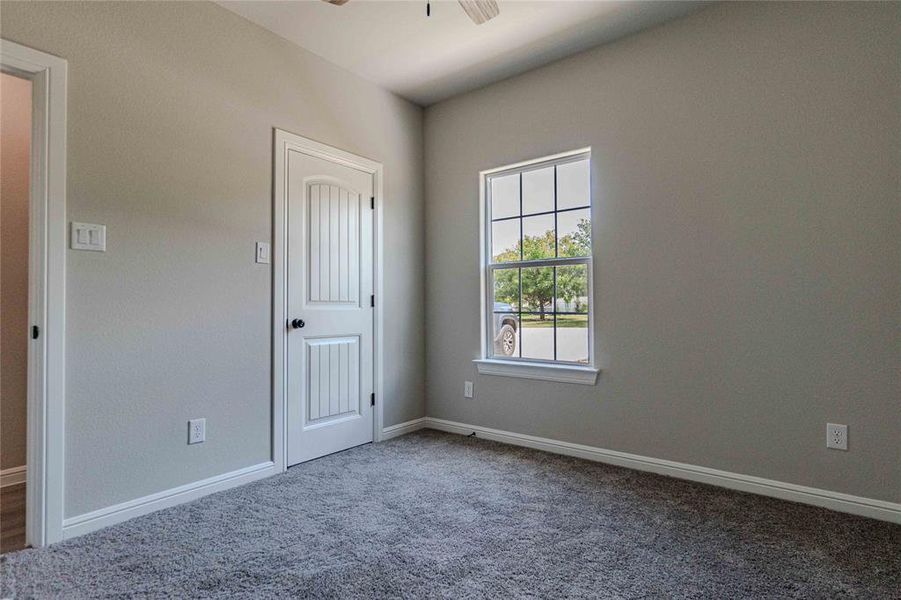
(170, 114)
(746, 193)
(15, 156)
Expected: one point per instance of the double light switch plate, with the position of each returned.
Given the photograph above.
(88, 236)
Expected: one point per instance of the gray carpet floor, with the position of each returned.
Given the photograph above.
(433, 515)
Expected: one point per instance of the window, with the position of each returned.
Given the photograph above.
(537, 268)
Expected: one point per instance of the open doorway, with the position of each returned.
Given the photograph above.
(32, 295)
(15, 201)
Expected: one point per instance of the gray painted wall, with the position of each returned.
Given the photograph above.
(15, 163)
(746, 189)
(171, 110)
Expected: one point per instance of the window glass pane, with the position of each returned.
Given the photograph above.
(574, 233)
(505, 196)
(505, 241)
(538, 289)
(572, 289)
(538, 191)
(540, 214)
(505, 340)
(538, 237)
(573, 185)
(572, 338)
(538, 337)
(506, 290)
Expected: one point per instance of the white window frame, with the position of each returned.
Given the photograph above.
(526, 368)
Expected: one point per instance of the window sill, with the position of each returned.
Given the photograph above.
(545, 372)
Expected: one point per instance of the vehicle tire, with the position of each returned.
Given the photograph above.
(505, 342)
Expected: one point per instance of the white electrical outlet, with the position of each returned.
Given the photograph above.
(467, 389)
(836, 436)
(196, 431)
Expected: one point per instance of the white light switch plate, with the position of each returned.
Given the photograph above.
(88, 236)
(264, 253)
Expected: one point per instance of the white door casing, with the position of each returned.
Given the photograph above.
(47, 290)
(329, 261)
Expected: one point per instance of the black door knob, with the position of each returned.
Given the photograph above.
(297, 323)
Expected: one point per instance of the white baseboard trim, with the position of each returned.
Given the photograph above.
(867, 507)
(404, 428)
(13, 475)
(104, 517)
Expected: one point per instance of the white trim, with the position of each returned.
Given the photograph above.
(47, 290)
(535, 163)
(13, 476)
(117, 513)
(404, 428)
(486, 268)
(857, 505)
(378, 287)
(282, 141)
(558, 372)
(279, 305)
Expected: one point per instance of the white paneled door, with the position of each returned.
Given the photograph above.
(330, 314)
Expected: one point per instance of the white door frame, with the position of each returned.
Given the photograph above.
(46, 290)
(283, 142)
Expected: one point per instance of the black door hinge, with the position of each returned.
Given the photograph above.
(372, 399)
(372, 202)
(372, 301)
(35, 332)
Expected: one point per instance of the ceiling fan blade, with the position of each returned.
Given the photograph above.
(336, 2)
(480, 11)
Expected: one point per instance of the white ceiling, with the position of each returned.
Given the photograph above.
(428, 59)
